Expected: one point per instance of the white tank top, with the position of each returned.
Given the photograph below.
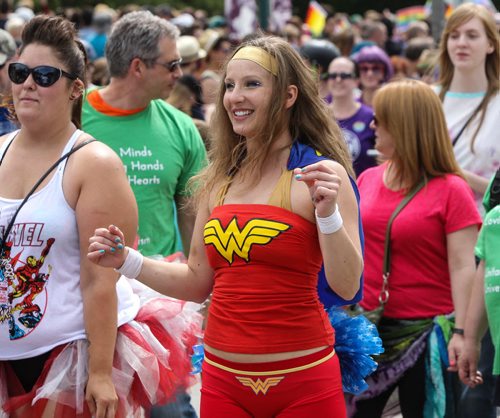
(41, 303)
(485, 160)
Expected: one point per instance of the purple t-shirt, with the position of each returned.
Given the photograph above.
(360, 138)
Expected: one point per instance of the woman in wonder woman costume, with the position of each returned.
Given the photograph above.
(275, 204)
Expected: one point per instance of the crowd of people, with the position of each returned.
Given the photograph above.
(168, 166)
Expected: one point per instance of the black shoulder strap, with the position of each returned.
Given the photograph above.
(399, 208)
(384, 292)
(495, 190)
(459, 134)
(37, 184)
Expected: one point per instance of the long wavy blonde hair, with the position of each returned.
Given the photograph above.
(308, 120)
(461, 15)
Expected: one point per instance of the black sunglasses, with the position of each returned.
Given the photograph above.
(374, 68)
(343, 76)
(43, 75)
(170, 66)
(375, 121)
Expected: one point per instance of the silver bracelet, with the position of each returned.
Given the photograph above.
(132, 265)
(331, 223)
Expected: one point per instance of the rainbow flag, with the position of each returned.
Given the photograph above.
(448, 7)
(410, 14)
(316, 18)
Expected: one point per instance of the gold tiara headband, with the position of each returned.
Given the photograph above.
(259, 56)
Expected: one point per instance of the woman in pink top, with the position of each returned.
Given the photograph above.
(432, 241)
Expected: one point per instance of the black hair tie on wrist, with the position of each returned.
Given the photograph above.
(459, 331)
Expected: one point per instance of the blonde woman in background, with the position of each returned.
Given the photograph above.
(469, 88)
(468, 85)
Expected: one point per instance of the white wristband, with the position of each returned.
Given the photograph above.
(132, 265)
(331, 223)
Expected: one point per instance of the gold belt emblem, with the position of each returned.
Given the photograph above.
(260, 385)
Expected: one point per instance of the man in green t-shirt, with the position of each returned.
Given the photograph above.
(159, 145)
(484, 305)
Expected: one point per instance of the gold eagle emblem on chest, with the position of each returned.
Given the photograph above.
(233, 240)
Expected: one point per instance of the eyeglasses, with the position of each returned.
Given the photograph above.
(375, 121)
(43, 75)
(374, 68)
(170, 66)
(343, 76)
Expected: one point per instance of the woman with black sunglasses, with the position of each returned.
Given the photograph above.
(58, 316)
(353, 117)
(375, 69)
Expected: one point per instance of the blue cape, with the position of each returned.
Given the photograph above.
(300, 156)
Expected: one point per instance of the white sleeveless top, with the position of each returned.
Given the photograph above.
(41, 303)
(485, 160)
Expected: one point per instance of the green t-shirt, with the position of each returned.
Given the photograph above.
(161, 149)
(488, 249)
(487, 194)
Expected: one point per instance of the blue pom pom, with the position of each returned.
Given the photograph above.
(356, 340)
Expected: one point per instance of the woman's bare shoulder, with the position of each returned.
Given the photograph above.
(4, 138)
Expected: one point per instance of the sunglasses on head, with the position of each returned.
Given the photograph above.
(43, 75)
(374, 68)
(343, 76)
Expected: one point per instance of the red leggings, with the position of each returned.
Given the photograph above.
(304, 387)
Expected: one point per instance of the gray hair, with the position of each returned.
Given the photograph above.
(136, 35)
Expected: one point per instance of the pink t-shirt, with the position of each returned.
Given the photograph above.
(419, 283)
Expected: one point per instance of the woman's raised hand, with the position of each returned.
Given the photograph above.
(324, 185)
(107, 247)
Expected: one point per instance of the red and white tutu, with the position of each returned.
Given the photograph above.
(151, 363)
